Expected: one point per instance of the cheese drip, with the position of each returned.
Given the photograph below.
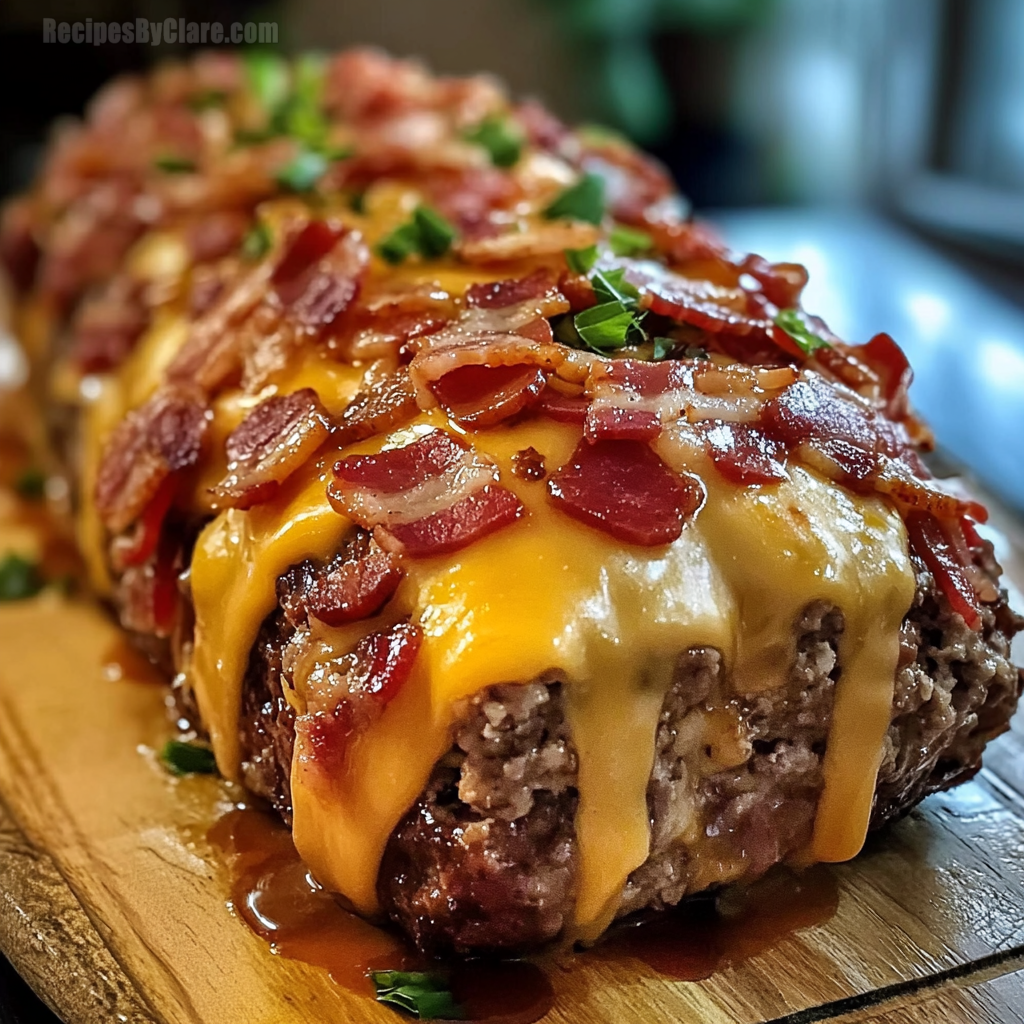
(549, 598)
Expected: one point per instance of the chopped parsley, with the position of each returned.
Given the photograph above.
(608, 325)
(793, 323)
(302, 172)
(428, 234)
(267, 75)
(423, 994)
(188, 758)
(613, 323)
(662, 348)
(499, 138)
(582, 201)
(19, 578)
(581, 261)
(257, 242)
(625, 241)
(31, 484)
(171, 164)
(612, 286)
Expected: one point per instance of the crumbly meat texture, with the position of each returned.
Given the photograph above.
(485, 859)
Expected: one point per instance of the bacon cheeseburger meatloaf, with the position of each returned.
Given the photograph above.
(537, 557)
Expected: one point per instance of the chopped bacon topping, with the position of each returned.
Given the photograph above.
(136, 547)
(745, 455)
(625, 490)
(215, 235)
(498, 294)
(428, 497)
(612, 423)
(934, 548)
(439, 354)
(483, 396)
(528, 464)
(561, 407)
(107, 327)
(273, 441)
(544, 239)
(474, 517)
(781, 283)
(161, 437)
(381, 407)
(711, 307)
(355, 589)
(374, 674)
(319, 274)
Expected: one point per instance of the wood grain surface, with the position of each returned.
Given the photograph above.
(124, 917)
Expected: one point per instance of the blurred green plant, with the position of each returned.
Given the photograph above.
(616, 38)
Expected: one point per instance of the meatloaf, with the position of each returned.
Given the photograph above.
(538, 558)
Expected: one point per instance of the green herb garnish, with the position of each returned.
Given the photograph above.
(19, 578)
(267, 75)
(257, 242)
(581, 261)
(625, 241)
(31, 484)
(302, 172)
(609, 325)
(793, 323)
(582, 201)
(499, 138)
(428, 233)
(171, 164)
(612, 286)
(662, 348)
(423, 994)
(188, 758)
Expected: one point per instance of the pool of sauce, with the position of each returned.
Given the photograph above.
(707, 934)
(272, 891)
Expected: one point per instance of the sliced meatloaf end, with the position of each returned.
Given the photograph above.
(485, 859)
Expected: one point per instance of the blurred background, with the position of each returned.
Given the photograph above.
(881, 142)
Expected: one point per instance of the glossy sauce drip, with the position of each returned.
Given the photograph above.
(122, 661)
(273, 892)
(705, 935)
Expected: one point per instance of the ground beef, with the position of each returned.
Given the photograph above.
(485, 858)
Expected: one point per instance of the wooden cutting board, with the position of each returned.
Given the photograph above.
(112, 902)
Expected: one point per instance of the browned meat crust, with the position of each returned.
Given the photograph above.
(485, 859)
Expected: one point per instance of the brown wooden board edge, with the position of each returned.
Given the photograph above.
(49, 938)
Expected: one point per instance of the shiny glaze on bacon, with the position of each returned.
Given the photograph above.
(738, 396)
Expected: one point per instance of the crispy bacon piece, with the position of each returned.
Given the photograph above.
(562, 408)
(468, 196)
(499, 294)
(474, 517)
(216, 234)
(634, 182)
(542, 128)
(781, 283)
(483, 396)
(544, 239)
(380, 408)
(355, 589)
(625, 490)
(137, 547)
(743, 454)
(320, 272)
(273, 441)
(428, 497)
(107, 327)
(813, 410)
(373, 675)
(711, 307)
(930, 541)
(685, 241)
(614, 423)
(890, 363)
(161, 437)
(439, 354)
(528, 464)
